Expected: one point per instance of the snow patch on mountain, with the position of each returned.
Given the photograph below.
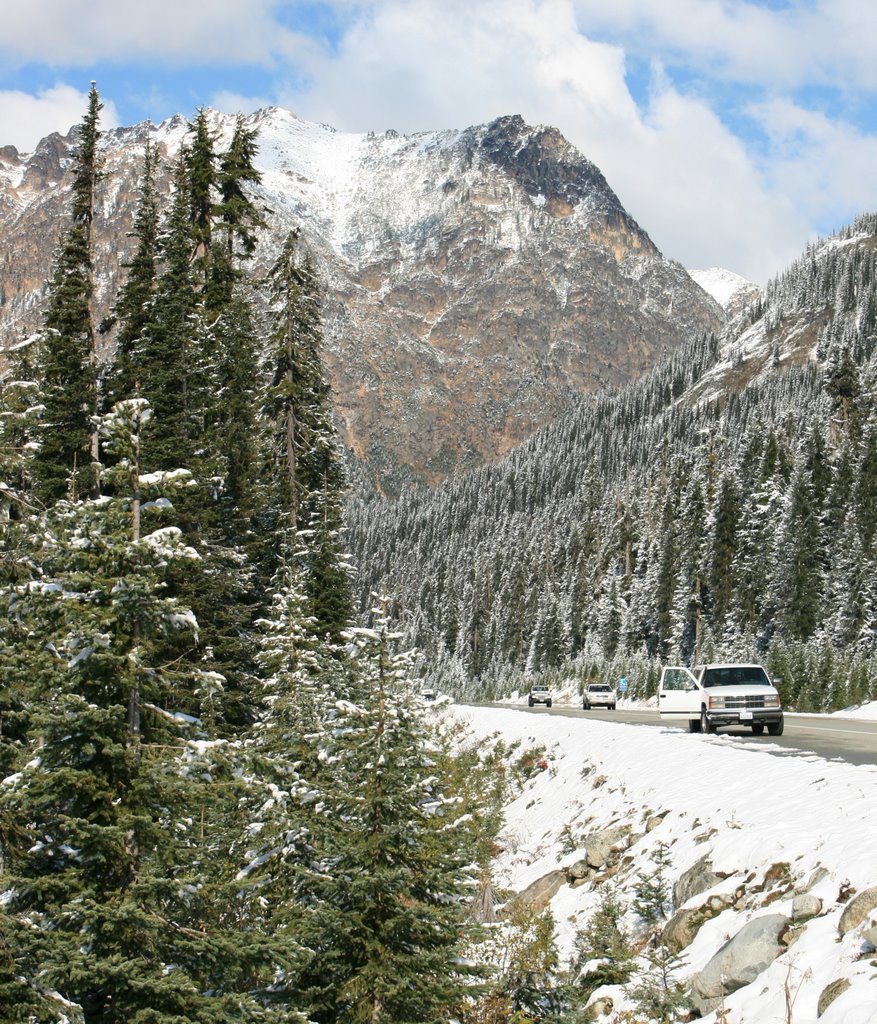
(722, 285)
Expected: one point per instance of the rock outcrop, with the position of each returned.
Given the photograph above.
(696, 879)
(475, 281)
(739, 962)
(858, 911)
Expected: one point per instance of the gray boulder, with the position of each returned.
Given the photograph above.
(698, 878)
(739, 962)
(538, 894)
(578, 871)
(684, 925)
(857, 910)
(830, 993)
(806, 905)
(654, 820)
(599, 846)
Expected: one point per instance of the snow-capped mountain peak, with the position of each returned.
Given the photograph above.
(726, 287)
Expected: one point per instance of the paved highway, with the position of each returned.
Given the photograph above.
(848, 739)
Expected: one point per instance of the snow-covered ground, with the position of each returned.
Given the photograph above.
(733, 802)
(868, 711)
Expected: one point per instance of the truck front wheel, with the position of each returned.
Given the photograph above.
(775, 728)
(694, 725)
(705, 724)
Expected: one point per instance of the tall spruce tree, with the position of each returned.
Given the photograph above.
(201, 178)
(238, 219)
(385, 917)
(66, 461)
(309, 468)
(104, 851)
(171, 360)
(135, 306)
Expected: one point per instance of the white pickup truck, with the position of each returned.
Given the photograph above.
(712, 695)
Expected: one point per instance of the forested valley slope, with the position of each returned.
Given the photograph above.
(723, 506)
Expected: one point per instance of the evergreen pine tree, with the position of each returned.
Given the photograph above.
(603, 952)
(102, 858)
(67, 458)
(201, 179)
(171, 361)
(134, 309)
(385, 916)
(309, 471)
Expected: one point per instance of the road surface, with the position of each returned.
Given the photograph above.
(849, 739)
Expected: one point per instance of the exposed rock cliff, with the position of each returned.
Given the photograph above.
(474, 279)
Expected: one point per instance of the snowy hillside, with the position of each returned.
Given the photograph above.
(788, 839)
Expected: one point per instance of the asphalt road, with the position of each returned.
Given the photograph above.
(846, 739)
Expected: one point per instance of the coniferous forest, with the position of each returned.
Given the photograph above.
(222, 800)
(675, 520)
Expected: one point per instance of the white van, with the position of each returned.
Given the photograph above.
(712, 695)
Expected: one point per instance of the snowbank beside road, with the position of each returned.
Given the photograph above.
(758, 818)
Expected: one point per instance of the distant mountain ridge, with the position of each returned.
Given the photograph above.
(732, 292)
(476, 280)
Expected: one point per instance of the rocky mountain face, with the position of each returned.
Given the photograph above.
(475, 280)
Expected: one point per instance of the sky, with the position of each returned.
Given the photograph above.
(745, 804)
(733, 131)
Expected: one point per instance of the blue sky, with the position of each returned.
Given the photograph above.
(733, 130)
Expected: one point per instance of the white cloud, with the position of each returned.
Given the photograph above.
(824, 163)
(81, 32)
(707, 196)
(235, 103)
(688, 180)
(823, 42)
(26, 118)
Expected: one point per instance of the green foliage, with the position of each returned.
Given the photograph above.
(307, 461)
(603, 952)
(653, 896)
(65, 462)
(385, 915)
(134, 310)
(658, 992)
(526, 987)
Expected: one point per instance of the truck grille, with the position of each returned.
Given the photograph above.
(748, 701)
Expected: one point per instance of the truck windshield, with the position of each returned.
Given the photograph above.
(736, 675)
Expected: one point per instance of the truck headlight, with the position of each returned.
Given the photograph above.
(717, 702)
(772, 702)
